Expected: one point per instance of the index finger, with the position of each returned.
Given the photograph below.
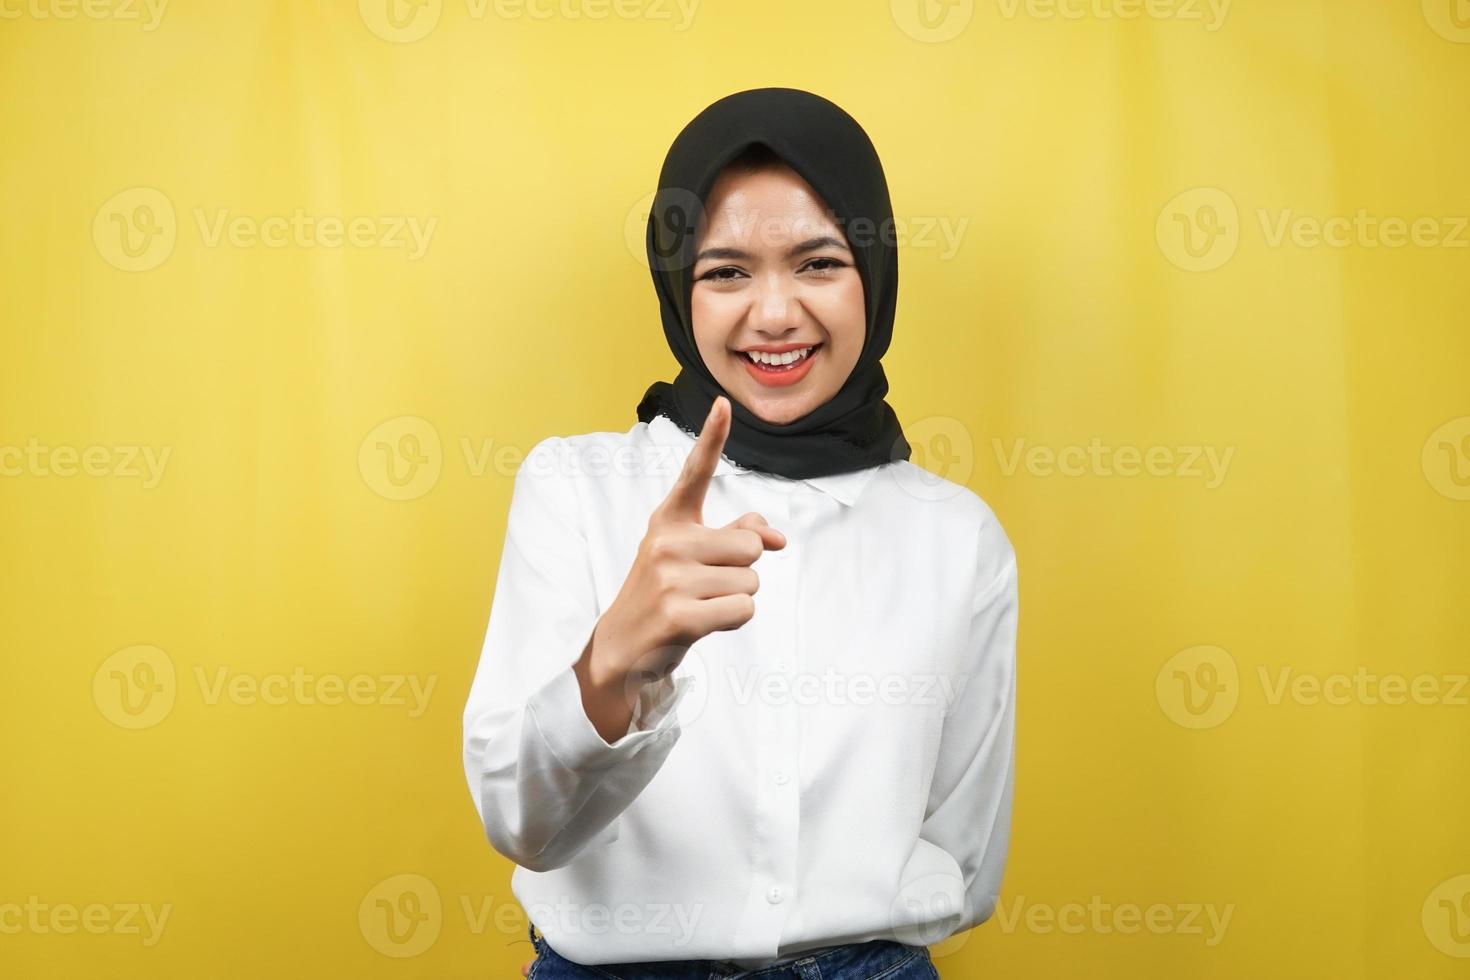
(686, 500)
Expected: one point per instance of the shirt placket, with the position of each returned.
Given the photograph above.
(777, 802)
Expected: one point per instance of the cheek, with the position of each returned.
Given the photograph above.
(845, 317)
(711, 320)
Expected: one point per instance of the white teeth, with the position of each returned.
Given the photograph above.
(777, 360)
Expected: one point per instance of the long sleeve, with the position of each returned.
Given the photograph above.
(545, 784)
(969, 807)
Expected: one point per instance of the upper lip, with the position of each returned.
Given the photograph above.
(778, 348)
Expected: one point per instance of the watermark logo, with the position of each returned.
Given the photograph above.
(943, 454)
(401, 916)
(1446, 916)
(927, 910)
(401, 21)
(135, 229)
(401, 459)
(136, 687)
(932, 21)
(1450, 19)
(1199, 230)
(677, 225)
(1198, 687)
(1446, 458)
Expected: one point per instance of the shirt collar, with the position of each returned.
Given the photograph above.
(844, 487)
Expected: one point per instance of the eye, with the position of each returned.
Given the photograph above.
(720, 274)
(825, 265)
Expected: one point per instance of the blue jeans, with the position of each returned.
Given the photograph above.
(877, 959)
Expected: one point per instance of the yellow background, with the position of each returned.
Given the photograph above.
(1071, 310)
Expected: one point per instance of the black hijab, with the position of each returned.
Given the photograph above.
(855, 428)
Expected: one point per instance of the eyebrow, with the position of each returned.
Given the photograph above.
(810, 245)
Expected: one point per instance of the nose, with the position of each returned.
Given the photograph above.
(776, 310)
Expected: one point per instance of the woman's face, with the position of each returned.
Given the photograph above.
(773, 273)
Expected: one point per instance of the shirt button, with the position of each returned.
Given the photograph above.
(781, 666)
(781, 777)
(774, 895)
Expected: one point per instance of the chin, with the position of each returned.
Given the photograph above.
(780, 411)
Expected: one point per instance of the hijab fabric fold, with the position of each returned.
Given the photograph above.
(855, 428)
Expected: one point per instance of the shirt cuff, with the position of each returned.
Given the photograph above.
(556, 708)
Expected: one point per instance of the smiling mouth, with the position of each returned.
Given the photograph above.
(777, 363)
(779, 370)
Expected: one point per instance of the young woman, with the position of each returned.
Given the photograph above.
(746, 703)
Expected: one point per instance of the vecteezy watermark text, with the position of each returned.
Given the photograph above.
(124, 462)
(1203, 919)
(1201, 686)
(403, 916)
(148, 12)
(1208, 463)
(142, 919)
(136, 230)
(1200, 230)
(137, 687)
(406, 21)
(1210, 13)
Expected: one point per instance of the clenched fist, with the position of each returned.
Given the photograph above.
(687, 581)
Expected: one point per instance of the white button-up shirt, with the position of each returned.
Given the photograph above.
(838, 769)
